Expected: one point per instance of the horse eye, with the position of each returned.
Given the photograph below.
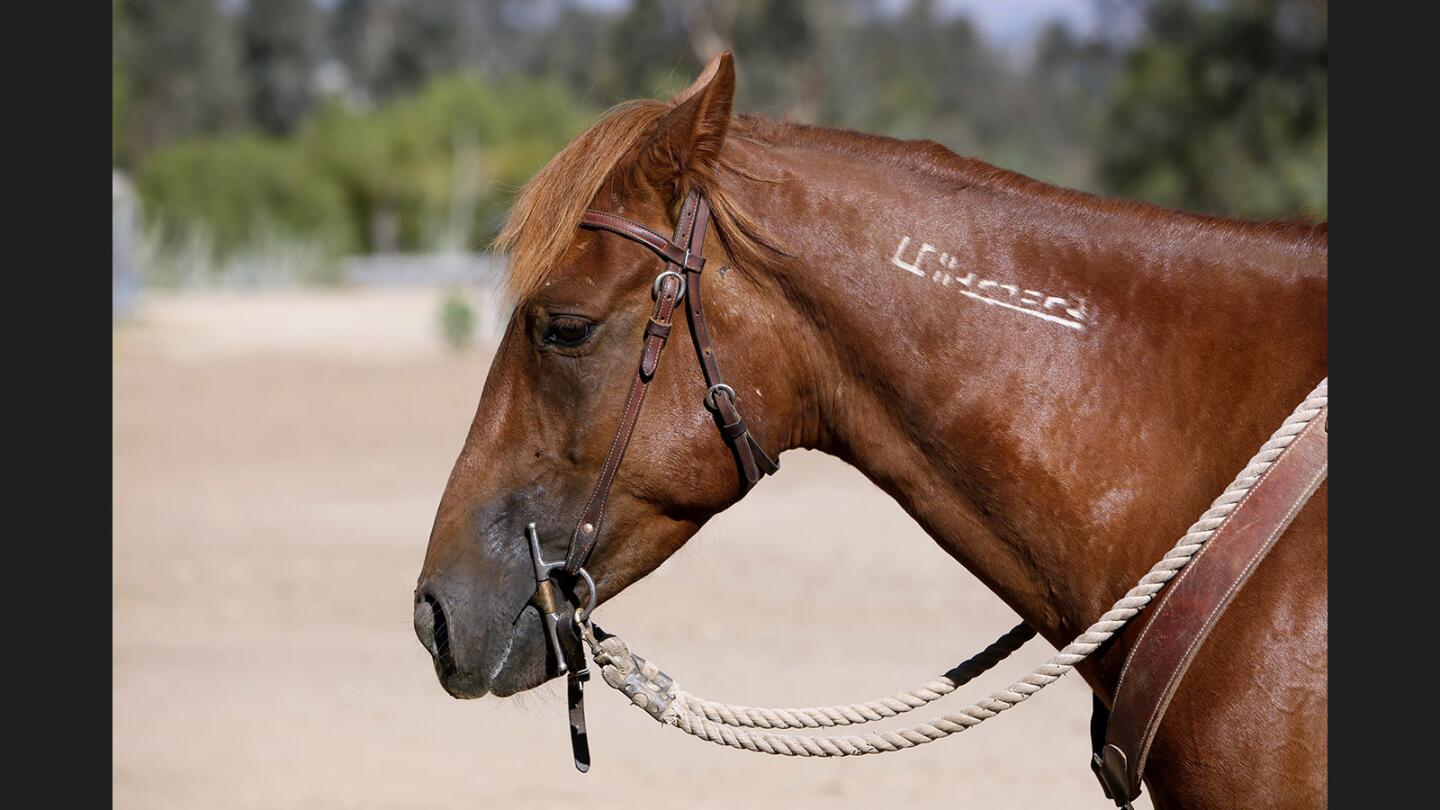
(568, 331)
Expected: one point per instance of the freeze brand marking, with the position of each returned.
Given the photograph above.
(1050, 308)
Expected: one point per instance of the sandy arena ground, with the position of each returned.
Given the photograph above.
(277, 462)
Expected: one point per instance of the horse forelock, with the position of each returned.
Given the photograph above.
(546, 215)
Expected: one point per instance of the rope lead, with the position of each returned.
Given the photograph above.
(748, 728)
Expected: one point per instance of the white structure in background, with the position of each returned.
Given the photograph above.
(480, 276)
(125, 237)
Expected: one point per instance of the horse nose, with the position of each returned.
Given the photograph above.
(432, 628)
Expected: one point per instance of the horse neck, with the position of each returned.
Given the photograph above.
(1052, 388)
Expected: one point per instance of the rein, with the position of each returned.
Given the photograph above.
(1270, 491)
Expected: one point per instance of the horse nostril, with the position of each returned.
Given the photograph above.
(425, 623)
(433, 630)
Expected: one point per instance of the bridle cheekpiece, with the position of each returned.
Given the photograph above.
(555, 581)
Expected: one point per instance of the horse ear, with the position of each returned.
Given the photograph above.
(687, 140)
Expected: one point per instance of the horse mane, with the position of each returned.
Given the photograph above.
(931, 158)
(543, 221)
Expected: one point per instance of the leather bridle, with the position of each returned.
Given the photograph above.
(680, 279)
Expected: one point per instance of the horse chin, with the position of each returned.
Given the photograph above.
(513, 685)
(521, 664)
(463, 689)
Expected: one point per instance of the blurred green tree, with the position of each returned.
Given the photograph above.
(182, 72)
(1221, 107)
(415, 120)
(392, 47)
(281, 50)
(647, 52)
(461, 141)
(236, 190)
(119, 81)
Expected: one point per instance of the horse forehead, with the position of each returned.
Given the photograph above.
(595, 265)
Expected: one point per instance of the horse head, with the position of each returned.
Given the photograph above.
(557, 394)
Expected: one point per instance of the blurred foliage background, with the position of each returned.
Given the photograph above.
(379, 126)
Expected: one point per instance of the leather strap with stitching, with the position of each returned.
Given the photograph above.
(657, 333)
(670, 251)
(690, 230)
(754, 462)
(1193, 602)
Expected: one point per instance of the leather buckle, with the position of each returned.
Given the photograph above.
(660, 279)
(1114, 791)
(1097, 765)
(692, 263)
(715, 389)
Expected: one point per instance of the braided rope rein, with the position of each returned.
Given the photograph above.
(746, 727)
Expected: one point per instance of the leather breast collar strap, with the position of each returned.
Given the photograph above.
(1192, 604)
(680, 279)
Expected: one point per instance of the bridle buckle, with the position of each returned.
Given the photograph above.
(660, 279)
(713, 390)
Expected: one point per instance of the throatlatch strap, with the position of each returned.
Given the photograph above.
(754, 462)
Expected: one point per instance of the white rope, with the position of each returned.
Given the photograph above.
(858, 713)
(745, 727)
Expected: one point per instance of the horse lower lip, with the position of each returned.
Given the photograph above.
(463, 691)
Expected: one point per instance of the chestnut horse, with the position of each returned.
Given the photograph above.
(1052, 384)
